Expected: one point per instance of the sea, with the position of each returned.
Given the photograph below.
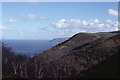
(29, 48)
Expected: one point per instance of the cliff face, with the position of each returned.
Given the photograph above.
(76, 55)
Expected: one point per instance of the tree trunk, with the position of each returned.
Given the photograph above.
(15, 66)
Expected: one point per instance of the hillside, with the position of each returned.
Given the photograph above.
(105, 35)
(78, 40)
(82, 59)
(106, 69)
(84, 55)
(64, 48)
(75, 55)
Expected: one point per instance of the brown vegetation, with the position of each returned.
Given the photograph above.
(69, 59)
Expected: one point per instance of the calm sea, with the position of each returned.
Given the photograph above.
(29, 47)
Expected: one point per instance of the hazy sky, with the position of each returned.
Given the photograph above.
(38, 20)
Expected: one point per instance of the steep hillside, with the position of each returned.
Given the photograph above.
(77, 41)
(106, 69)
(64, 48)
(82, 59)
(55, 53)
(77, 54)
(81, 56)
(85, 55)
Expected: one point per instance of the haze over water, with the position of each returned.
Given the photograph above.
(29, 47)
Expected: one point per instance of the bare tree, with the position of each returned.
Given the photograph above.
(15, 66)
(21, 71)
(40, 73)
(55, 71)
(25, 70)
(38, 69)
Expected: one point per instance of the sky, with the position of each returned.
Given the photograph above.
(60, 0)
(48, 20)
